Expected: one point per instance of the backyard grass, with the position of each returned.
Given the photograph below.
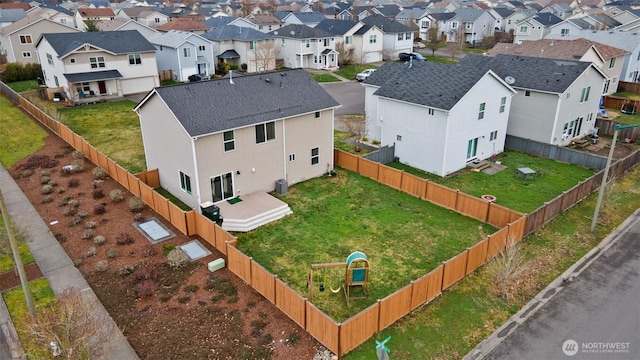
(20, 86)
(441, 59)
(324, 78)
(6, 257)
(170, 82)
(627, 95)
(113, 128)
(349, 72)
(19, 134)
(509, 190)
(455, 322)
(339, 142)
(403, 237)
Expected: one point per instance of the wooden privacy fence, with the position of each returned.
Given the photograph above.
(631, 87)
(608, 127)
(616, 103)
(440, 195)
(165, 74)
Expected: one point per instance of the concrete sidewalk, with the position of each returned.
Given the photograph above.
(53, 261)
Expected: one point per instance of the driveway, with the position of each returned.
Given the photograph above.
(350, 94)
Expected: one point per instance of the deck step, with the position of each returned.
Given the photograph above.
(245, 225)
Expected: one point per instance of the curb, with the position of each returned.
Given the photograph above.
(489, 344)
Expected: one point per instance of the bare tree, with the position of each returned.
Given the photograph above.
(265, 55)
(345, 53)
(357, 127)
(508, 265)
(358, 58)
(70, 329)
(435, 40)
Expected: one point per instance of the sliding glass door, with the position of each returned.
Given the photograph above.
(222, 187)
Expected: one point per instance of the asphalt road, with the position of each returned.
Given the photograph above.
(349, 94)
(596, 316)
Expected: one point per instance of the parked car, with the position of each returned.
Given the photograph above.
(197, 77)
(364, 74)
(413, 55)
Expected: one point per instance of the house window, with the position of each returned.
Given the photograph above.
(493, 135)
(316, 59)
(326, 42)
(307, 43)
(25, 39)
(472, 148)
(527, 93)
(605, 89)
(585, 94)
(454, 25)
(564, 32)
(292, 157)
(50, 59)
(468, 26)
(523, 29)
(481, 111)
(202, 48)
(229, 140)
(157, 20)
(282, 42)
(187, 52)
(348, 40)
(72, 60)
(55, 80)
(97, 62)
(373, 39)
(135, 59)
(253, 45)
(85, 87)
(260, 27)
(503, 103)
(26, 54)
(317, 115)
(567, 130)
(407, 36)
(424, 24)
(185, 182)
(612, 63)
(589, 117)
(398, 137)
(315, 156)
(432, 111)
(400, 36)
(265, 132)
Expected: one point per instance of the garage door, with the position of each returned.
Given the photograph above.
(137, 85)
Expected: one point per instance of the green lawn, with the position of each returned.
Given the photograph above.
(323, 78)
(20, 136)
(455, 322)
(339, 142)
(404, 237)
(20, 86)
(349, 72)
(113, 128)
(6, 257)
(441, 59)
(557, 177)
(169, 82)
(628, 95)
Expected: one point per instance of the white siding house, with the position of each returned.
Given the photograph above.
(184, 53)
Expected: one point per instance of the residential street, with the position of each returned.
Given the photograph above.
(596, 316)
(349, 94)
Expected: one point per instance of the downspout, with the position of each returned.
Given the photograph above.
(196, 174)
(180, 65)
(284, 152)
(555, 120)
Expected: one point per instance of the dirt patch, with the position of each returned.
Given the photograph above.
(164, 313)
(10, 279)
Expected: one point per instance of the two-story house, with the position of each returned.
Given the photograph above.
(143, 14)
(359, 42)
(262, 128)
(397, 37)
(303, 47)
(473, 24)
(535, 27)
(98, 63)
(438, 116)
(184, 53)
(568, 27)
(240, 45)
(85, 15)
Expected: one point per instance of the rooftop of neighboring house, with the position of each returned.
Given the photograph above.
(581, 23)
(33, 16)
(183, 25)
(606, 20)
(138, 11)
(336, 27)
(111, 25)
(15, 5)
(503, 11)
(629, 41)
(173, 38)
(385, 24)
(544, 19)
(300, 32)
(236, 33)
(248, 100)
(304, 17)
(12, 15)
(264, 19)
(116, 42)
(556, 49)
(219, 21)
(91, 12)
(468, 15)
(389, 10)
(531, 73)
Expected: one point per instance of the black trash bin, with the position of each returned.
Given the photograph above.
(211, 211)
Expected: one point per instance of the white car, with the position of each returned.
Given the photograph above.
(365, 74)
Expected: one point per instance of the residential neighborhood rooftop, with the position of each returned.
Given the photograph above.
(556, 49)
(117, 42)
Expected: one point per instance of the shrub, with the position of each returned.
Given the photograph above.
(52, 182)
(126, 270)
(90, 224)
(149, 251)
(97, 194)
(184, 299)
(47, 189)
(177, 258)
(46, 199)
(78, 155)
(136, 204)
(88, 234)
(74, 203)
(60, 190)
(124, 238)
(99, 173)
(69, 211)
(138, 217)
(62, 203)
(91, 252)
(116, 195)
(112, 253)
(99, 240)
(82, 214)
(190, 289)
(243, 67)
(75, 221)
(77, 262)
(73, 183)
(145, 272)
(102, 266)
(26, 173)
(77, 165)
(16, 71)
(166, 249)
(45, 180)
(99, 209)
(43, 161)
(146, 288)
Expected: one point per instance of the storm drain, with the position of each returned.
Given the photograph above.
(154, 231)
(194, 250)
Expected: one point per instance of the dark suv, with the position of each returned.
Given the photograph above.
(413, 55)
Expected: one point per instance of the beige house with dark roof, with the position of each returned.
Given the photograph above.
(187, 25)
(607, 58)
(265, 22)
(89, 14)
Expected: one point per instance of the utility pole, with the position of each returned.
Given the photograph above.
(16, 257)
(603, 184)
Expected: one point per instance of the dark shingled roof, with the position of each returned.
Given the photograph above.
(531, 73)
(385, 24)
(117, 42)
(300, 32)
(335, 27)
(209, 107)
(93, 76)
(547, 19)
(426, 83)
(232, 32)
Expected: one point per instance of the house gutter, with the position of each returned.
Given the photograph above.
(196, 174)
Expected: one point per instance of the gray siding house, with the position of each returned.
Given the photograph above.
(216, 140)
